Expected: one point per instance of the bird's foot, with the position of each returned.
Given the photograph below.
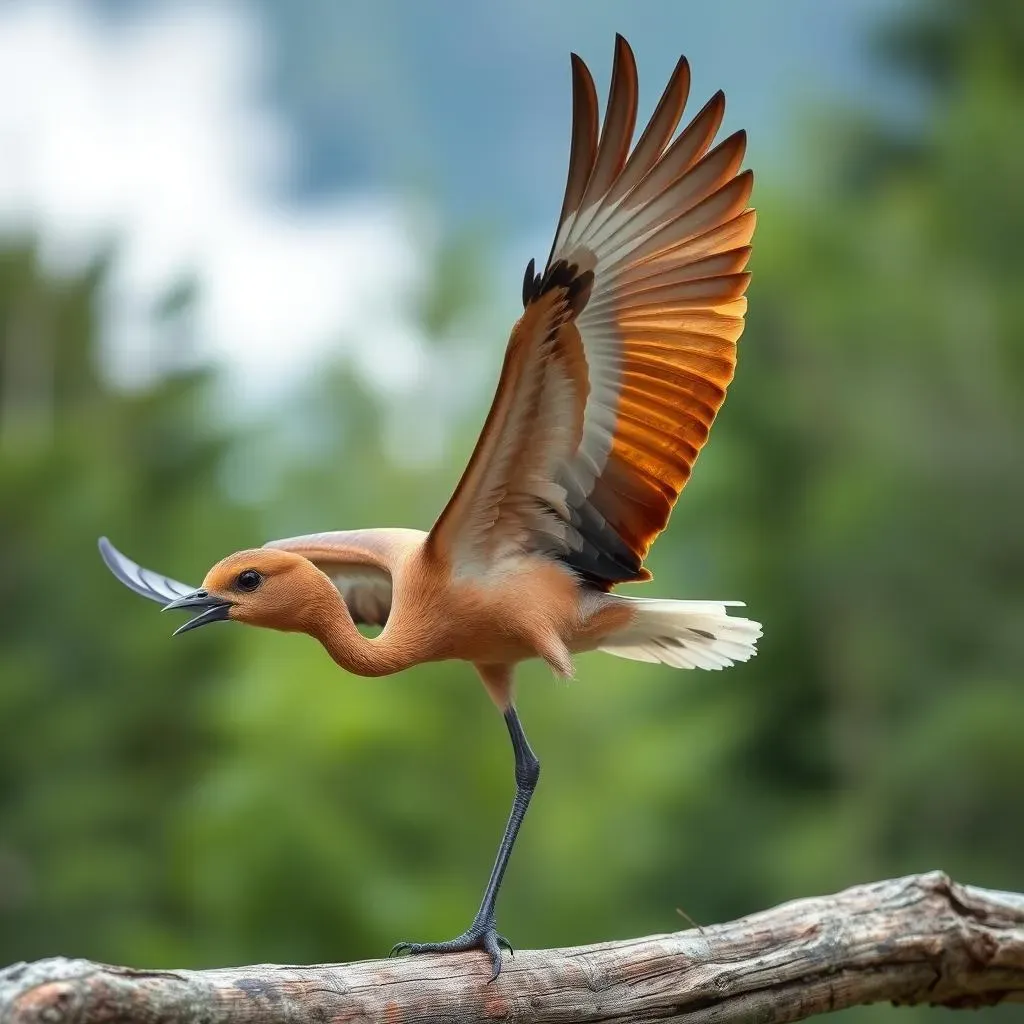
(479, 935)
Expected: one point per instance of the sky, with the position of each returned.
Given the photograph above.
(301, 161)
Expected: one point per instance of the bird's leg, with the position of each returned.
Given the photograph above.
(482, 934)
(527, 774)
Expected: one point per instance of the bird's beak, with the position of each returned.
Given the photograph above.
(211, 609)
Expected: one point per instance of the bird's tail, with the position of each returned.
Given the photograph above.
(684, 634)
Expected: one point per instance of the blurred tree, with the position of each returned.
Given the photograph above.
(101, 725)
(890, 319)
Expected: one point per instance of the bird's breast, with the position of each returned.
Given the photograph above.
(510, 617)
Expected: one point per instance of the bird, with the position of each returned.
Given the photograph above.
(612, 378)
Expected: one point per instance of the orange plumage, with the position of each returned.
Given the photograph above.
(612, 379)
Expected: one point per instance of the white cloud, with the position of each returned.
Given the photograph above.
(152, 133)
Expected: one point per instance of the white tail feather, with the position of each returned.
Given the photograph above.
(685, 634)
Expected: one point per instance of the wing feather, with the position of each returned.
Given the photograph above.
(691, 144)
(616, 135)
(582, 149)
(656, 135)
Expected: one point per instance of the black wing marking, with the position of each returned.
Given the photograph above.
(144, 582)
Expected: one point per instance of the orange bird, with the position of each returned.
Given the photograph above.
(611, 380)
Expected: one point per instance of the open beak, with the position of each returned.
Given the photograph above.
(211, 609)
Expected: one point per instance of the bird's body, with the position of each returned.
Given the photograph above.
(611, 381)
(528, 607)
(522, 610)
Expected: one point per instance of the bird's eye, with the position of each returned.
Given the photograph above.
(248, 580)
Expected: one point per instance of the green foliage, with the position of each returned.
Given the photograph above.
(101, 722)
(231, 797)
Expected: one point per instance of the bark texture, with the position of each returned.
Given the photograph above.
(919, 939)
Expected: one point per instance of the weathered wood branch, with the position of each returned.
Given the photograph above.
(920, 939)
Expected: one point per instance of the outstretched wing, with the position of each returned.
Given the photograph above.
(143, 581)
(359, 562)
(621, 360)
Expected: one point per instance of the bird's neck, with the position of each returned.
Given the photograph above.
(353, 651)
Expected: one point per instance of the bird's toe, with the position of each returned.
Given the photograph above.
(493, 950)
(480, 936)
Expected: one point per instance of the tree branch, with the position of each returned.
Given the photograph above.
(920, 939)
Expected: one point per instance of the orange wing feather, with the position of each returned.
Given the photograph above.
(627, 345)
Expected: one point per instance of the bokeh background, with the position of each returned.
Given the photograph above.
(258, 263)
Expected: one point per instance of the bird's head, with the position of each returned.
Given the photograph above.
(263, 587)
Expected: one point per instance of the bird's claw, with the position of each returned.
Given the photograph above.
(478, 936)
